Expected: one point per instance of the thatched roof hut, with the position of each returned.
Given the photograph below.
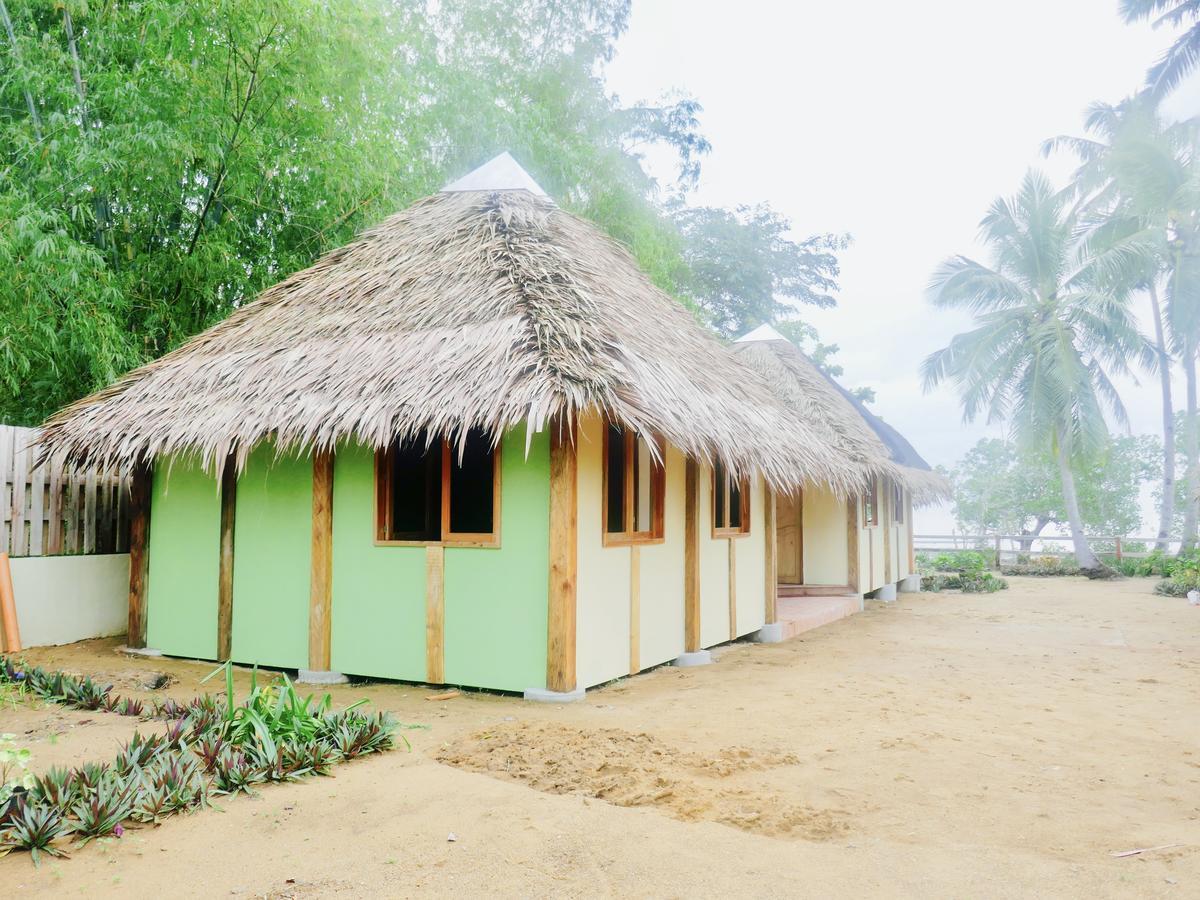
(485, 305)
(842, 418)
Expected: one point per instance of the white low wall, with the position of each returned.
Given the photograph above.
(62, 599)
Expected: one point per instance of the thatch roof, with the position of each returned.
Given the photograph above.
(823, 403)
(471, 308)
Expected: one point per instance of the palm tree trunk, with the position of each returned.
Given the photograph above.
(1192, 448)
(1087, 561)
(1166, 514)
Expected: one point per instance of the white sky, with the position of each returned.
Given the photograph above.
(899, 123)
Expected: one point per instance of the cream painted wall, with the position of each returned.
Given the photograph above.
(602, 598)
(826, 557)
(661, 595)
(63, 599)
(714, 569)
(750, 571)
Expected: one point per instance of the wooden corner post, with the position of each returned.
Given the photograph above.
(225, 566)
(852, 543)
(770, 568)
(564, 560)
(691, 559)
(141, 485)
(321, 581)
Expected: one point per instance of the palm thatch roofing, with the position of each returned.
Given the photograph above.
(482, 306)
(819, 400)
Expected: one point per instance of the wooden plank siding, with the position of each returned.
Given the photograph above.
(562, 613)
(48, 510)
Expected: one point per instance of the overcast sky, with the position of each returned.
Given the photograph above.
(898, 123)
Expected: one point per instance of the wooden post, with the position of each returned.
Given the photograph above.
(435, 615)
(852, 543)
(732, 589)
(1118, 548)
(225, 566)
(9, 628)
(912, 528)
(770, 566)
(321, 572)
(997, 551)
(140, 488)
(887, 518)
(635, 609)
(691, 559)
(564, 558)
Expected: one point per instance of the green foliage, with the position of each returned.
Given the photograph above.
(209, 745)
(1002, 487)
(1042, 567)
(14, 769)
(1181, 57)
(969, 582)
(953, 561)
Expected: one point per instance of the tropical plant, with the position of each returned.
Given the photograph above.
(1139, 188)
(1052, 323)
(36, 829)
(15, 776)
(1182, 56)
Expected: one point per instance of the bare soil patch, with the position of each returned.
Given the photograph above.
(636, 769)
(1000, 745)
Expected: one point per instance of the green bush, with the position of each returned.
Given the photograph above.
(1042, 567)
(967, 582)
(952, 561)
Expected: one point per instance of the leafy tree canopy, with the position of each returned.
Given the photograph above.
(1001, 486)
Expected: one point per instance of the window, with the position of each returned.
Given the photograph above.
(871, 504)
(634, 487)
(731, 504)
(898, 504)
(438, 492)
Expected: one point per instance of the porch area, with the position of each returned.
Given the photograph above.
(811, 607)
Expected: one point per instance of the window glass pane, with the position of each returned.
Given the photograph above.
(616, 480)
(720, 488)
(416, 481)
(472, 485)
(643, 481)
(735, 504)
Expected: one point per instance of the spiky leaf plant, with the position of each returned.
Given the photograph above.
(35, 828)
(110, 804)
(57, 787)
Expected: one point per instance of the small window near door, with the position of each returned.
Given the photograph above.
(439, 493)
(898, 504)
(634, 489)
(871, 504)
(731, 504)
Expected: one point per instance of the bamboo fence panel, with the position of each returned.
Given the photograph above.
(48, 510)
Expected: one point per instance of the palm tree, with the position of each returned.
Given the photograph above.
(1136, 185)
(1182, 56)
(1052, 323)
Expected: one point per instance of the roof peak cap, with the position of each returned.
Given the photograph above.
(761, 333)
(501, 173)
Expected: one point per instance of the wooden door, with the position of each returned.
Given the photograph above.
(789, 530)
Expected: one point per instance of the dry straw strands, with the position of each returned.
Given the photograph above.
(469, 309)
(814, 398)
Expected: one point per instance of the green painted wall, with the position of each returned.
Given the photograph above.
(496, 599)
(185, 534)
(378, 624)
(272, 543)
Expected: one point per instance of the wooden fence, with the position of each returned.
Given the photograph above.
(50, 510)
(1007, 547)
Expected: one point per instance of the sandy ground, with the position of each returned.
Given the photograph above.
(943, 746)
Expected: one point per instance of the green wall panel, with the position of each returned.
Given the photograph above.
(496, 598)
(185, 534)
(378, 592)
(272, 546)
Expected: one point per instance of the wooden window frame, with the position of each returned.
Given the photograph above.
(739, 531)
(870, 504)
(383, 505)
(658, 494)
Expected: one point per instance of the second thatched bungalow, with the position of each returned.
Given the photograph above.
(474, 446)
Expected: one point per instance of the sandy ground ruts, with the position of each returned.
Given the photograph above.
(943, 746)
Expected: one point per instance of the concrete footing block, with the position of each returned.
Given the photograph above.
(887, 593)
(696, 658)
(771, 633)
(309, 676)
(542, 695)
(910, 584)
